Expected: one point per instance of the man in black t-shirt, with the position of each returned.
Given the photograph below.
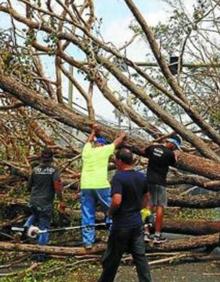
(160, 158)
(129, 193)
(43, 184)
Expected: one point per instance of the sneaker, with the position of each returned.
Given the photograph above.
(147, 237)
(158, 239)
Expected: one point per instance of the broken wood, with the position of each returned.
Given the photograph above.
(173, 245)
(191, 227)
(54, 250)
(192, 242)
(197, 202)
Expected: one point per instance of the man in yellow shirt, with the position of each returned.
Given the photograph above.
(94, 184)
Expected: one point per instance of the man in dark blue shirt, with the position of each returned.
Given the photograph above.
(129, 195)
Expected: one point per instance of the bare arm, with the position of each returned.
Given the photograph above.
(138, 151)
(176, 155)
(119, 139)
(95, 130)
(116, 202)
(146, 200)
(91, 136)
(134, 149)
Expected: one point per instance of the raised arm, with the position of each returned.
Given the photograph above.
(119, 139)
(138, 151)
(95, 130)
(134, 149)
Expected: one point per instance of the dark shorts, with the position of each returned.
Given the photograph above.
(158, 195)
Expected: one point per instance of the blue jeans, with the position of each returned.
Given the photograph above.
(40, 218)
(89, 198)
(120, 241)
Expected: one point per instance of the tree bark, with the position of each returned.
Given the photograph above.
(197, 202)
(194, 180)
(191, 227)
(174, 245)
(53, 250)
(196, 165)
(188, 244)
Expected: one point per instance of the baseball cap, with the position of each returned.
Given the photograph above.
(101, 140)
(176, 140)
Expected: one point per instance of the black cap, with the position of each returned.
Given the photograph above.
(46, 155)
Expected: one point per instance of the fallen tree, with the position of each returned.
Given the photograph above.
(189, 243)
(174, 245)
(185, 201)
(60, 112)
(195, 201)
(194, 180)
(191, 227)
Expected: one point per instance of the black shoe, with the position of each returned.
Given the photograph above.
(158, 239)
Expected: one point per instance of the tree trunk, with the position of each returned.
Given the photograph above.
(197, 202)
(188, 244)
(191, 227)
(174, 245)
(194, 180)
(53, 250)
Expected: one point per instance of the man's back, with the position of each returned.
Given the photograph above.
(131, 185)
(41, 185)
(128, 195)
(160, 158)
(95, 166)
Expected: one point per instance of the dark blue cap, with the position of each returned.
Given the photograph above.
(101, 140)
(46, 154)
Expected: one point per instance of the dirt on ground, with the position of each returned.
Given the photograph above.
(187, 272)
(90, 272)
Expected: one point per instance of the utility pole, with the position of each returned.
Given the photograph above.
(70, 89)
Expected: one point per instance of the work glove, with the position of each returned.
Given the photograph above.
(145, 213)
